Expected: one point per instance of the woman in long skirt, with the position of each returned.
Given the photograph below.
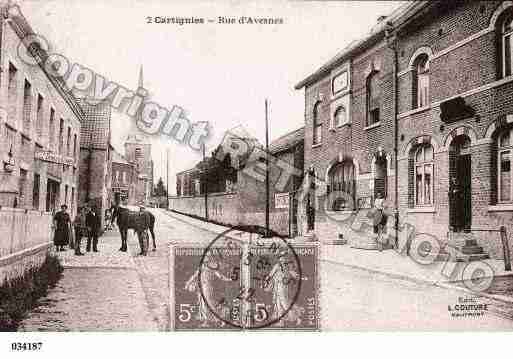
(62, 223)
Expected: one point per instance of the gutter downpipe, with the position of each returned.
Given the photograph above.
(391, 40)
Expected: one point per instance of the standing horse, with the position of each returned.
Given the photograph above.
(128, 219)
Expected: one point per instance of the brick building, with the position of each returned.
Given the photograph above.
(55, 148)
(138, 151)
(426, 97)
(124, 179)
(349, 133)
(235, 183)
(38, 117)
(95, 155)
(455, 111)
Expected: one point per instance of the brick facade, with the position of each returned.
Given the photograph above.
(138, 151)
(95, 156)
(462, 42)
(124, 179)
(37, 118)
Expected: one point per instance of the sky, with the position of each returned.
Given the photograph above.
(220, 73)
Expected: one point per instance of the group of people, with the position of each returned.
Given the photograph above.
(87, 223)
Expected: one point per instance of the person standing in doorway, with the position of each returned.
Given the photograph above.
(456, 196)
(380, 220)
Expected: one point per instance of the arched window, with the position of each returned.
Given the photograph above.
(373, 99)
(317, 124)
(340, 116)
(342, 179)
(504, 151)
(424, 171)
(421, 82)
(506, 44)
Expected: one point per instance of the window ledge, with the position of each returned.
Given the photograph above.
(414, 111)
(504, 207)
(340, 93)
(421, 210)
(374, 125)
(317, 145)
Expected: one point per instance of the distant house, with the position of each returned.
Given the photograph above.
(234, 183)
(124, 179)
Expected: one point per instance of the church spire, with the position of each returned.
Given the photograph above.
(141, 77)
(134, 135)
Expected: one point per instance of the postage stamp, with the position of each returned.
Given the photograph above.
(285, 280)
(244, 282)
(202, 282)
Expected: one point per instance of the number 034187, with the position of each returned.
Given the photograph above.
(35, 346)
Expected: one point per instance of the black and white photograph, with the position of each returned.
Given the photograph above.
(221, 168)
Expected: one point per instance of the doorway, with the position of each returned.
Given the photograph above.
(52, 195)
(460, 184)
(380, 176)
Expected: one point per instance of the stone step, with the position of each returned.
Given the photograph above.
(338, 242)
(463, 242)
(444, 257)
(471, 250)
(472, 257)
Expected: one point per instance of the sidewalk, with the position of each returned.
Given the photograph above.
(108, 256)
(98, 292)
(389, 262)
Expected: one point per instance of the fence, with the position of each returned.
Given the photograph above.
(25, 238)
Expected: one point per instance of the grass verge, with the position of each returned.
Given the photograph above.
(20, 295)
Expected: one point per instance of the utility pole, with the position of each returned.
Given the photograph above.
(167, 178)
(89, 160)
(267, 234)
(205, 186)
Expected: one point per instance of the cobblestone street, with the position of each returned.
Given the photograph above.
(112, 290)
(98, 291)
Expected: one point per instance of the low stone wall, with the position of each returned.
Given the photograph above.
(25, 239)
(222, 208)
(278, 220)
(227, 209)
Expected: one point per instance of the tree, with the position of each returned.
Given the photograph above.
(160, 190)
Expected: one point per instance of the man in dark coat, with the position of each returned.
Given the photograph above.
(93, 222)
(120, 214)
(142, 225)
(81, 229)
